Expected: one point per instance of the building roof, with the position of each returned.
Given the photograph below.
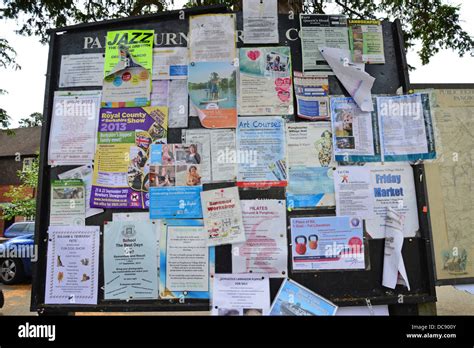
(25, 141)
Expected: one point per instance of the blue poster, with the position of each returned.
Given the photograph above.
(295, 300)
(175, 202)
(310, 187)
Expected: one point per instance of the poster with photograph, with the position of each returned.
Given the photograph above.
(327, 243)
(261, 149)
(310, 165)
(311, 96)
(321, 31)
(128, 68)
(212, 38)
(222, 216)
(121, 166)
(244, 294)
(294, 299)
(390, 186)
(212, 88)
(72, 269)
(186, 262)
(72, 137)
(366, 41)
(130, 260)
(68, 205)
(83, 173)
(218, 149)
(355, 132)
(265, 81)
(406, 128)
(260, 21)
(81, 70)
(170, 63)
(266, 248)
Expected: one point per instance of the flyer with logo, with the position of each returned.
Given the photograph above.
(327, 243)
(175, 181)
(222, 216)
(121, 166)
(72, 269)
(368, 191)
(366, 41)
(261, 149)
(265, 81)
(68, 205)
(260, 21)
(321, 31)
(266, 248)
(243, 294)
(128, 68)
(170, 63)
(294, 299)
(186, 262)
(212, 88)
(312, 96)
(310, 165)
(130, 268)
(72, 137)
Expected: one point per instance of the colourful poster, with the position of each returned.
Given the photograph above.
(212, 90)
(265, 81)
(128, 68)
(312, 96)
(68, 206)
(366, 41)
(121, 167)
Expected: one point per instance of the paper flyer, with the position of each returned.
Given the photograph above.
(81, 70)
(260, 21)
(321, 31)
(68, 206)
(212, 88)
(266, 249)
(355, 132)
(170, 63)
(265, 81)
(366, 41)
(390, 186)
(72, 269)
(310, 166)
(121, 166)
(172, 94)
(406, 128)
(127, 68)
(83, 173)
(295, 300)
(312, 99)
(222, 216)
(186, 262)
(244, 294)
(130, 260)
(218, 149)
(72, 137)
(212, 38)
(160, 93)
(327, 243)
(352, 76)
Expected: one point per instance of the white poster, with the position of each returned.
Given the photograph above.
(260, 21)
(170, 63)
(244, 294)
(81, 70)
(266, 247)
(390, 186)
(130, 260)
(178, 104)
(223, 216)
(212, 38)
(74, 124)
(72, 270)
(187, 259)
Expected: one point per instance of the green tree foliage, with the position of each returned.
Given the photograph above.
(34, 120)
(23, 202)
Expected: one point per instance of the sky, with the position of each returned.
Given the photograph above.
(26, 86)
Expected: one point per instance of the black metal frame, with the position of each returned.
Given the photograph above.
(469, 280)
(389, 78)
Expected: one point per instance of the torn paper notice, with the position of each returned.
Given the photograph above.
(355, 80)
(393, 266)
